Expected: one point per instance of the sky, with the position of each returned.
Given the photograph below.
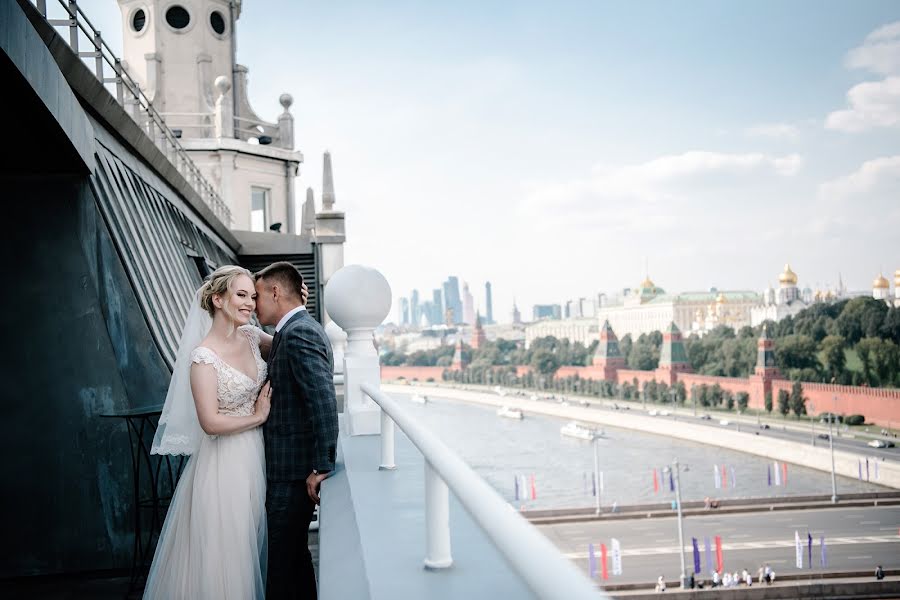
(556, 149)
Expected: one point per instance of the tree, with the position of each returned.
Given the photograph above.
(796, 352)
(768, 401)
(545, 362)
(890, 329)
(716, 395)
(644, 354)
(797, 401)
(680, 392)
(835, 359)
(866, 350)
(743, 400)
(861, 317)
(784, 406)
(729, 400)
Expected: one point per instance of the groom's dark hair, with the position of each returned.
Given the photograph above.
(285, 274)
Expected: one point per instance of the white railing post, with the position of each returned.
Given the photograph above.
(437, 520)
(358, 299)
(387, 443)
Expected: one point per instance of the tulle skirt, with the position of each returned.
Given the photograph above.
(213, 542)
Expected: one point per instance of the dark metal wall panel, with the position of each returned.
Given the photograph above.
(156, 242)
(305, 263)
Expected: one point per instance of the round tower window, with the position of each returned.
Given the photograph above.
(177, 17)
(138, 20)
(217, 22)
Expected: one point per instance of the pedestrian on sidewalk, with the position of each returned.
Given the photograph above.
(660, 584)
(879, 573)
(715, 579)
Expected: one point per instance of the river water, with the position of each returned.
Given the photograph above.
(500, 449)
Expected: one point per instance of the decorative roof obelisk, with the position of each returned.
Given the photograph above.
(308, 217)
(327, 184)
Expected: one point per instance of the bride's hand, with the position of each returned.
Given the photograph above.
(264, 402)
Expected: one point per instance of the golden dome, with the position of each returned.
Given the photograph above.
(788, 276)
(881, 283)
(720, 299)
(647, 284)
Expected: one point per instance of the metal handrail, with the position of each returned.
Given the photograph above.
(534, 558)
(166, 140)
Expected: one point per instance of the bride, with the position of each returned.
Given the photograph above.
(213, 542)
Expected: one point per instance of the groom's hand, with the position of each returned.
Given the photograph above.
(312, 485)
(304, 294)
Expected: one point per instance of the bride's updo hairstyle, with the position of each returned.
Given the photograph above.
(219, 283)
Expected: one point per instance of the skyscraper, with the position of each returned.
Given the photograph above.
(437, 316)
(516, 315)
(488, 304)
(403, 315)
(468, 305)
(452, 300)
(414, 311)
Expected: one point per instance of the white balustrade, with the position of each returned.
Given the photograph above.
(358, 299)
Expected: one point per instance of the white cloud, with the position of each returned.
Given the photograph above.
(875, 179)
(654, 195)
(783, 131)
(880, 52)
(872, 104)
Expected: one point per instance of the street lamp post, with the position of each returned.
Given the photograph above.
(674, 398)
(597, 487)
(680, 521)
(834, 497)
(812, 423)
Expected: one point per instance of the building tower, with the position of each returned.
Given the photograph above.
(897, 288)
(403, 317)
(608, 357)
(478, 335)
(452, 303)
(881, 288)
(437, 306)
(673, 358)
(489, 303)
(183, 55)
(787, 286)
(458, 363)
(516, 315)
(765, 371)
(468, 305)
(414, 311)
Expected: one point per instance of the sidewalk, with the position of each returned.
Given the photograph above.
(818, 585)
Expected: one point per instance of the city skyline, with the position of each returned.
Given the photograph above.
(720, 141)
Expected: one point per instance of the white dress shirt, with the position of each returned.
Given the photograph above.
(287, 317)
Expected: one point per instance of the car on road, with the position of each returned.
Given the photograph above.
(764, 426)
(705, 417)
(724, 422)
(880, 444)
(664, 413)
(823, 436)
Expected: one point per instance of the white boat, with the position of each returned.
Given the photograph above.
(577, 430)
(509, 413)
(419, 399)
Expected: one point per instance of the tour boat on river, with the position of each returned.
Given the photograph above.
(510, 413)
(577, 430)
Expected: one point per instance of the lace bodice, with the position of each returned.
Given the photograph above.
(236, 390)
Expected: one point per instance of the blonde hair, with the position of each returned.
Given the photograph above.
(219, 283)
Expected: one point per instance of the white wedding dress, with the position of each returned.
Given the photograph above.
(213, 542)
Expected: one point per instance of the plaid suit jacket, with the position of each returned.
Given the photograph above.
(301, 432)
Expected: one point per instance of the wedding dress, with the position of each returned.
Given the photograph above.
(213, 542)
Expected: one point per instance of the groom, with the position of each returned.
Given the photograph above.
(301, 433)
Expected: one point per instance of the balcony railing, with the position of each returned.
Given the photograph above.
(129, 95)
(532, 557)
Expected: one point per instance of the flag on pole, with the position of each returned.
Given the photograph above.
(655, 481)
(696, 555)
(876, 469)
(824, 557)
(769, 474)
(784, 473)
(777, 468)
(798, 550)
(708, 552)
(584, 483)
(717, 476)
(592, 562)
(516, 480)
(809, 549)
(733, 478)
(720, 564)
(867, 468)
(601, 482)
(671, 481)
(724, 477)
(604, 572)
(859, 467)
(616, 557)
(594, 485)
(533, 488)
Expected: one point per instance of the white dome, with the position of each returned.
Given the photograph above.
(357, 297)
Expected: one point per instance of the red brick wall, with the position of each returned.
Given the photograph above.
(628, 376)
(729, 384)
(410, 373)
(591, 372)
(878, 406)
